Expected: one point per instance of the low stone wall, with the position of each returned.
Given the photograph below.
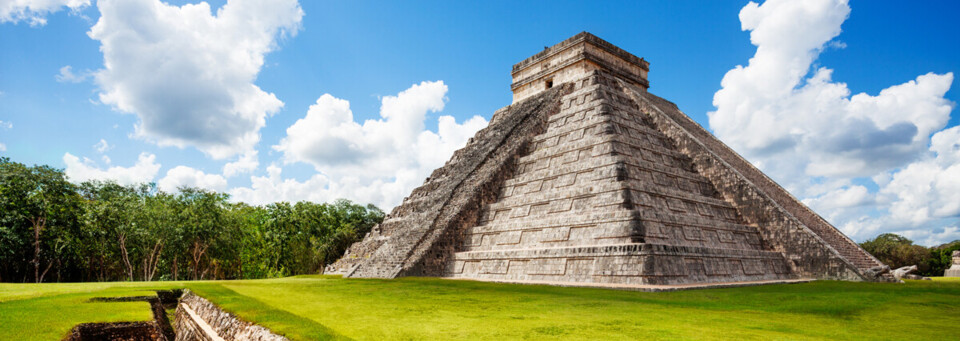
(200, 320)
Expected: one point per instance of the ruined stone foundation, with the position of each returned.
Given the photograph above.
(954, 270)
(589, 179)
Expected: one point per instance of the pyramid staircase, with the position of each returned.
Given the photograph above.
(588, 179)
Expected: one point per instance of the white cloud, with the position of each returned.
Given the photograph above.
(189, 74)
(67, 76)
(844, 197)
(3, 147)
(35, 11)
(812, 136)
(246, 163)
(183, 176)
(812, 126)
(932, 237)
(273, 188)
(318, 188)
(102, 146)
(928, 189)
(379, 161)
(328, 137)
(143, 171)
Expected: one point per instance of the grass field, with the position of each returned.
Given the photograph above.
(318, 307)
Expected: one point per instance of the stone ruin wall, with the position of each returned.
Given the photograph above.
(570, 60)
(198, 319)
(954, 270)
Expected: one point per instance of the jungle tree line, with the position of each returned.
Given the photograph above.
(54, 230)
(898, 251)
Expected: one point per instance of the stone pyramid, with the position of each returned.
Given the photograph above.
(588, 179)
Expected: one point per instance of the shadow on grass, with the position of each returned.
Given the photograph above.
(833, 299)
(278, 321)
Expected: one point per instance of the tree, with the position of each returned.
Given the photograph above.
(14, 227)
(40, 203)
(159, 220)
(117, 211)
(202, 216)
(342, 224)
(106, 231)
(941, 257)
(898, 251)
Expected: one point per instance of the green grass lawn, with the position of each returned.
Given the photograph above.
(317, 307)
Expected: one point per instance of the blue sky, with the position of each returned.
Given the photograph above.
(448, 58)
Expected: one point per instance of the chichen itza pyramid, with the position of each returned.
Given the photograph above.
(588, 179)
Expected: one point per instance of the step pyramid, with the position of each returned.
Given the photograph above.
(589, 179)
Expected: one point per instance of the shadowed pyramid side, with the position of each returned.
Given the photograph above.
(450, 199)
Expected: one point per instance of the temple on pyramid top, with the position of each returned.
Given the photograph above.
(571, 59)
(588, 179)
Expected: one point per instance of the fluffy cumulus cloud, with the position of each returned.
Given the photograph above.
(273, 187)
(830, 146)
(246, 163)
(183, 176)
(928, 189)
(189, 73)
(144, 170)
(35, 11)
(377, 161)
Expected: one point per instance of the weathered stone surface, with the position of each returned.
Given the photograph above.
(451, 198)
(572, 58)
(198, 319)
(954, 270)
(907, 273)
(588, 178)
(877, 271)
